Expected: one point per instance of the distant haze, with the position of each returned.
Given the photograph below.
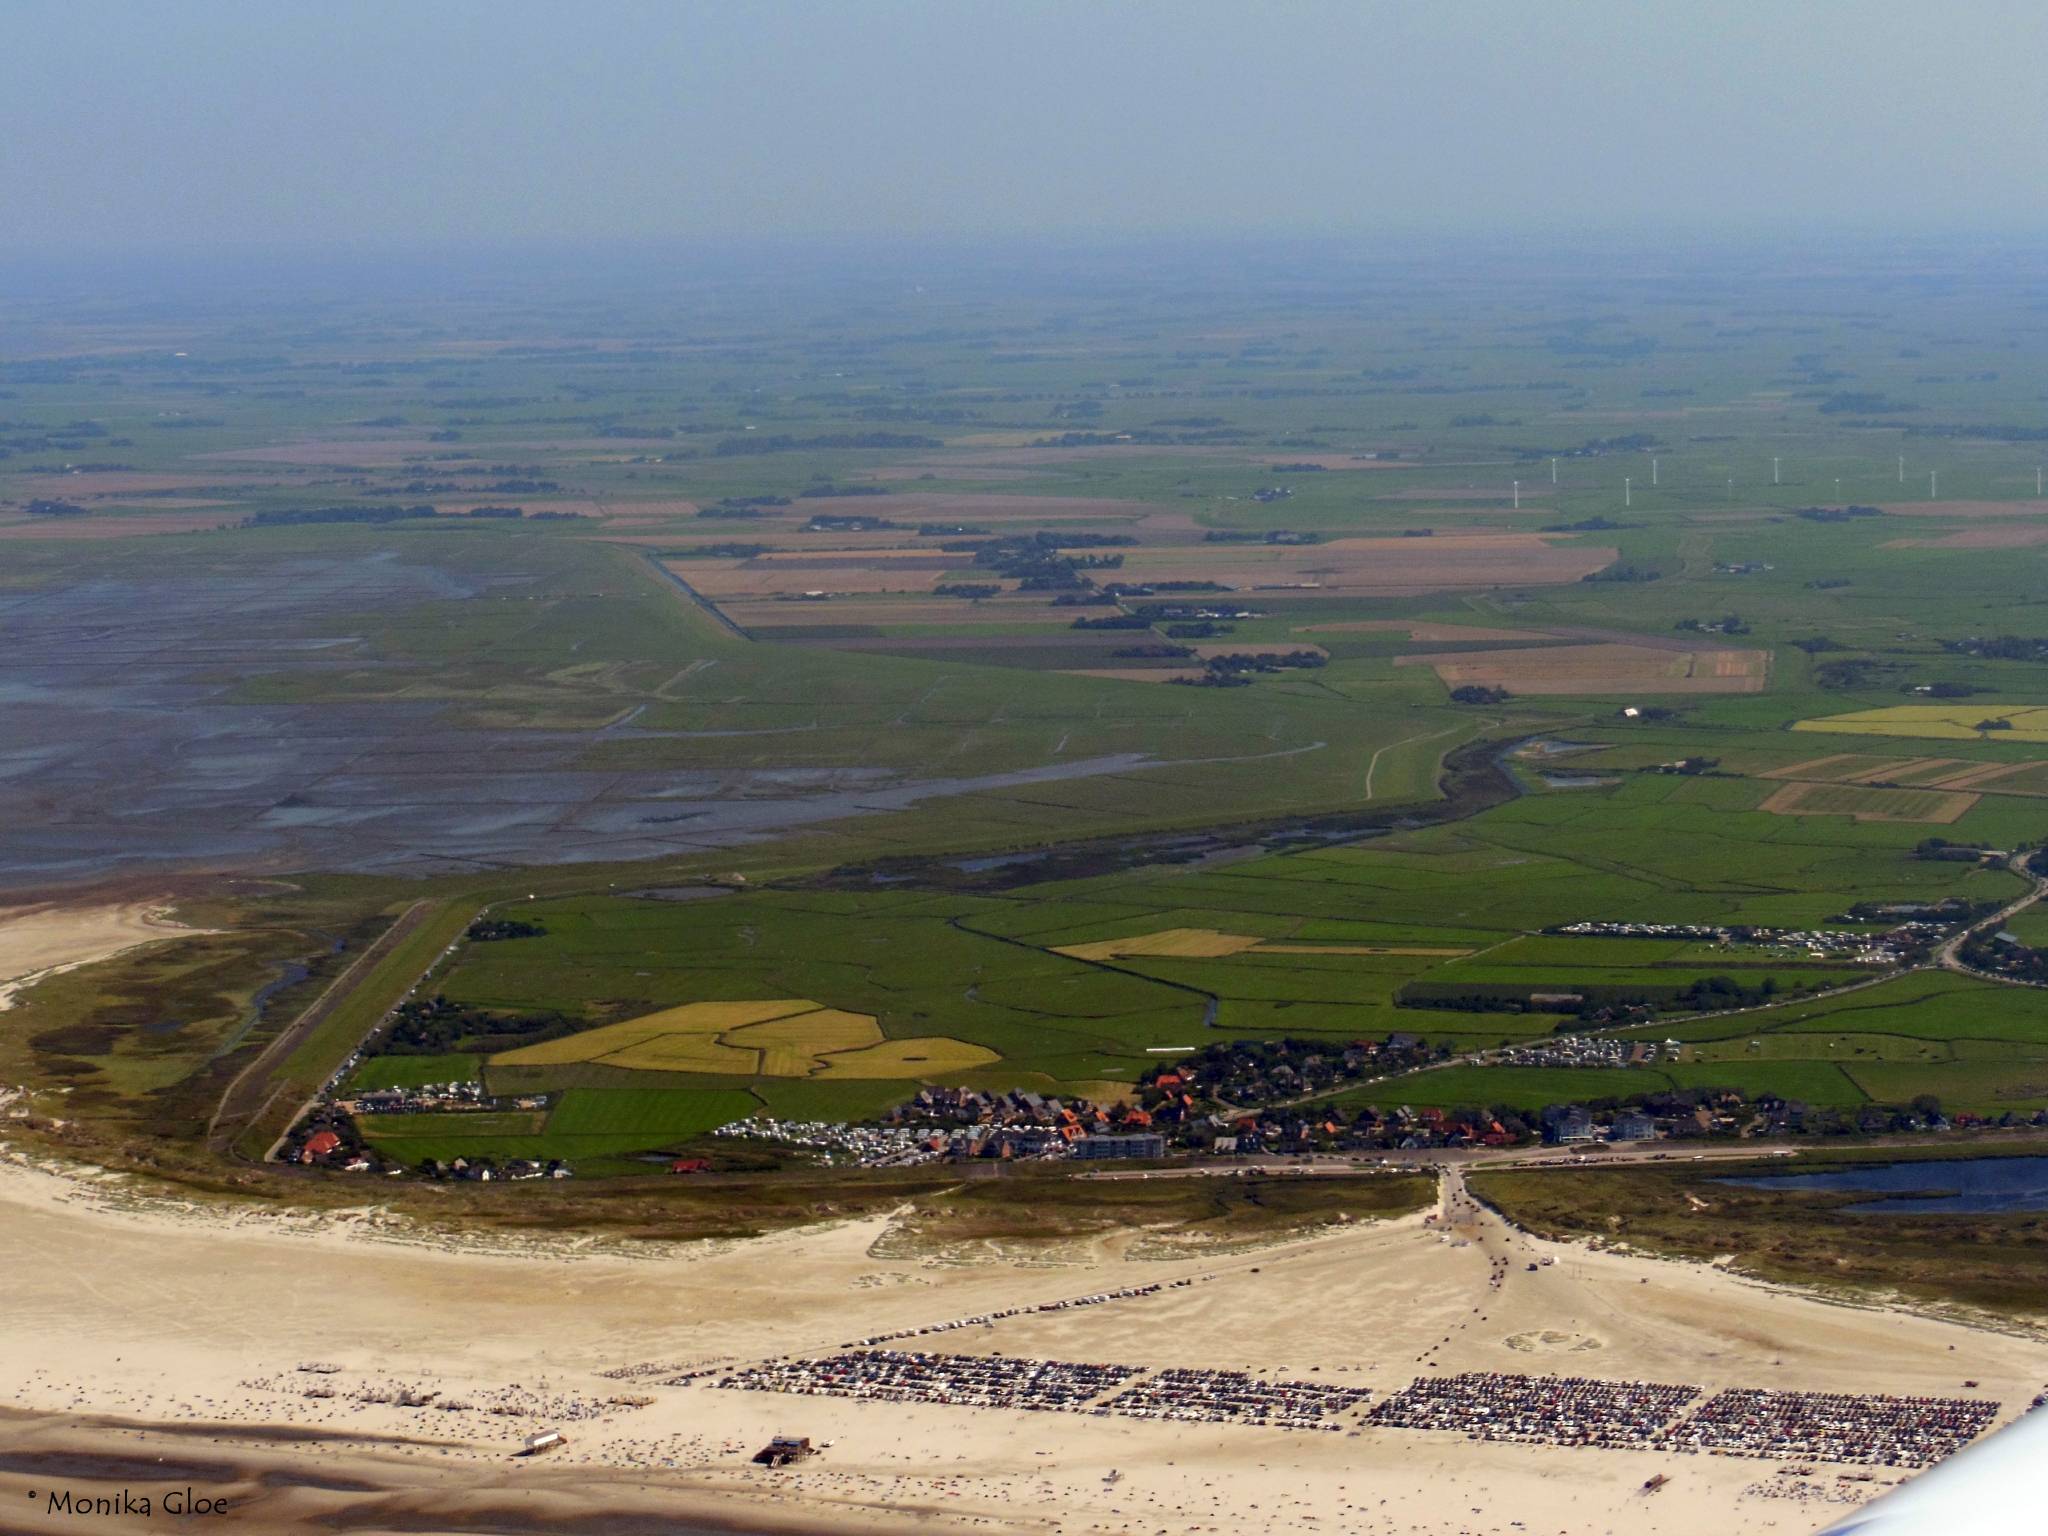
(378, 124)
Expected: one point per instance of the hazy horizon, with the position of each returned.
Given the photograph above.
(224, 124)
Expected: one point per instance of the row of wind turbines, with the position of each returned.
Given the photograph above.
(1777, 478)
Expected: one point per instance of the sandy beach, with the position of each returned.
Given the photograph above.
(347, 1374)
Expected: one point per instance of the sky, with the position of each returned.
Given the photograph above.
(128, 126)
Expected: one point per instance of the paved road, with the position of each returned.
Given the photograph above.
(1949, 956)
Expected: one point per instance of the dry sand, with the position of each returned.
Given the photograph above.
(133, 1331)
(37, 942)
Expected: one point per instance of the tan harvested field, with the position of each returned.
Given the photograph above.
(1211, 944)
(702, 1019)
(1825, 770)
(1981, 776)
(787, 1037)
(124, 525)
(1938, 772)
(91, 485)
(924, 1058)
(819, 1033)
(1602, 669)
(683, 1053)
(1915, 772)
(1180, 943)
(2026, 723)
(195, 1354)
(2000, 536)
(1861, 803)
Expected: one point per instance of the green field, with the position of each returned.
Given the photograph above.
(541, 720)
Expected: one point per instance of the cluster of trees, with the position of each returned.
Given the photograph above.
(825, 490)
(716, 551)
(1854, 672)
(1158, 651)
(1478, 693)
(496, 929)
(2000, 647)
(742, 506)
(1727, 624)
(1625, 570)
(1837, 514)
(435, 1026)
(1266, 661)
(1039, 561)
(1587, 525)
(1271, 536)
(1604, 1003)
(2005, 957)
(43, 507)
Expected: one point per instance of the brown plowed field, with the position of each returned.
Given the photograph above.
(1937, 807)
(1999, 536)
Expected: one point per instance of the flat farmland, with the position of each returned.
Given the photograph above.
(1937, 807)
(2021, 723)
(1602, 669)
(959, 825)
